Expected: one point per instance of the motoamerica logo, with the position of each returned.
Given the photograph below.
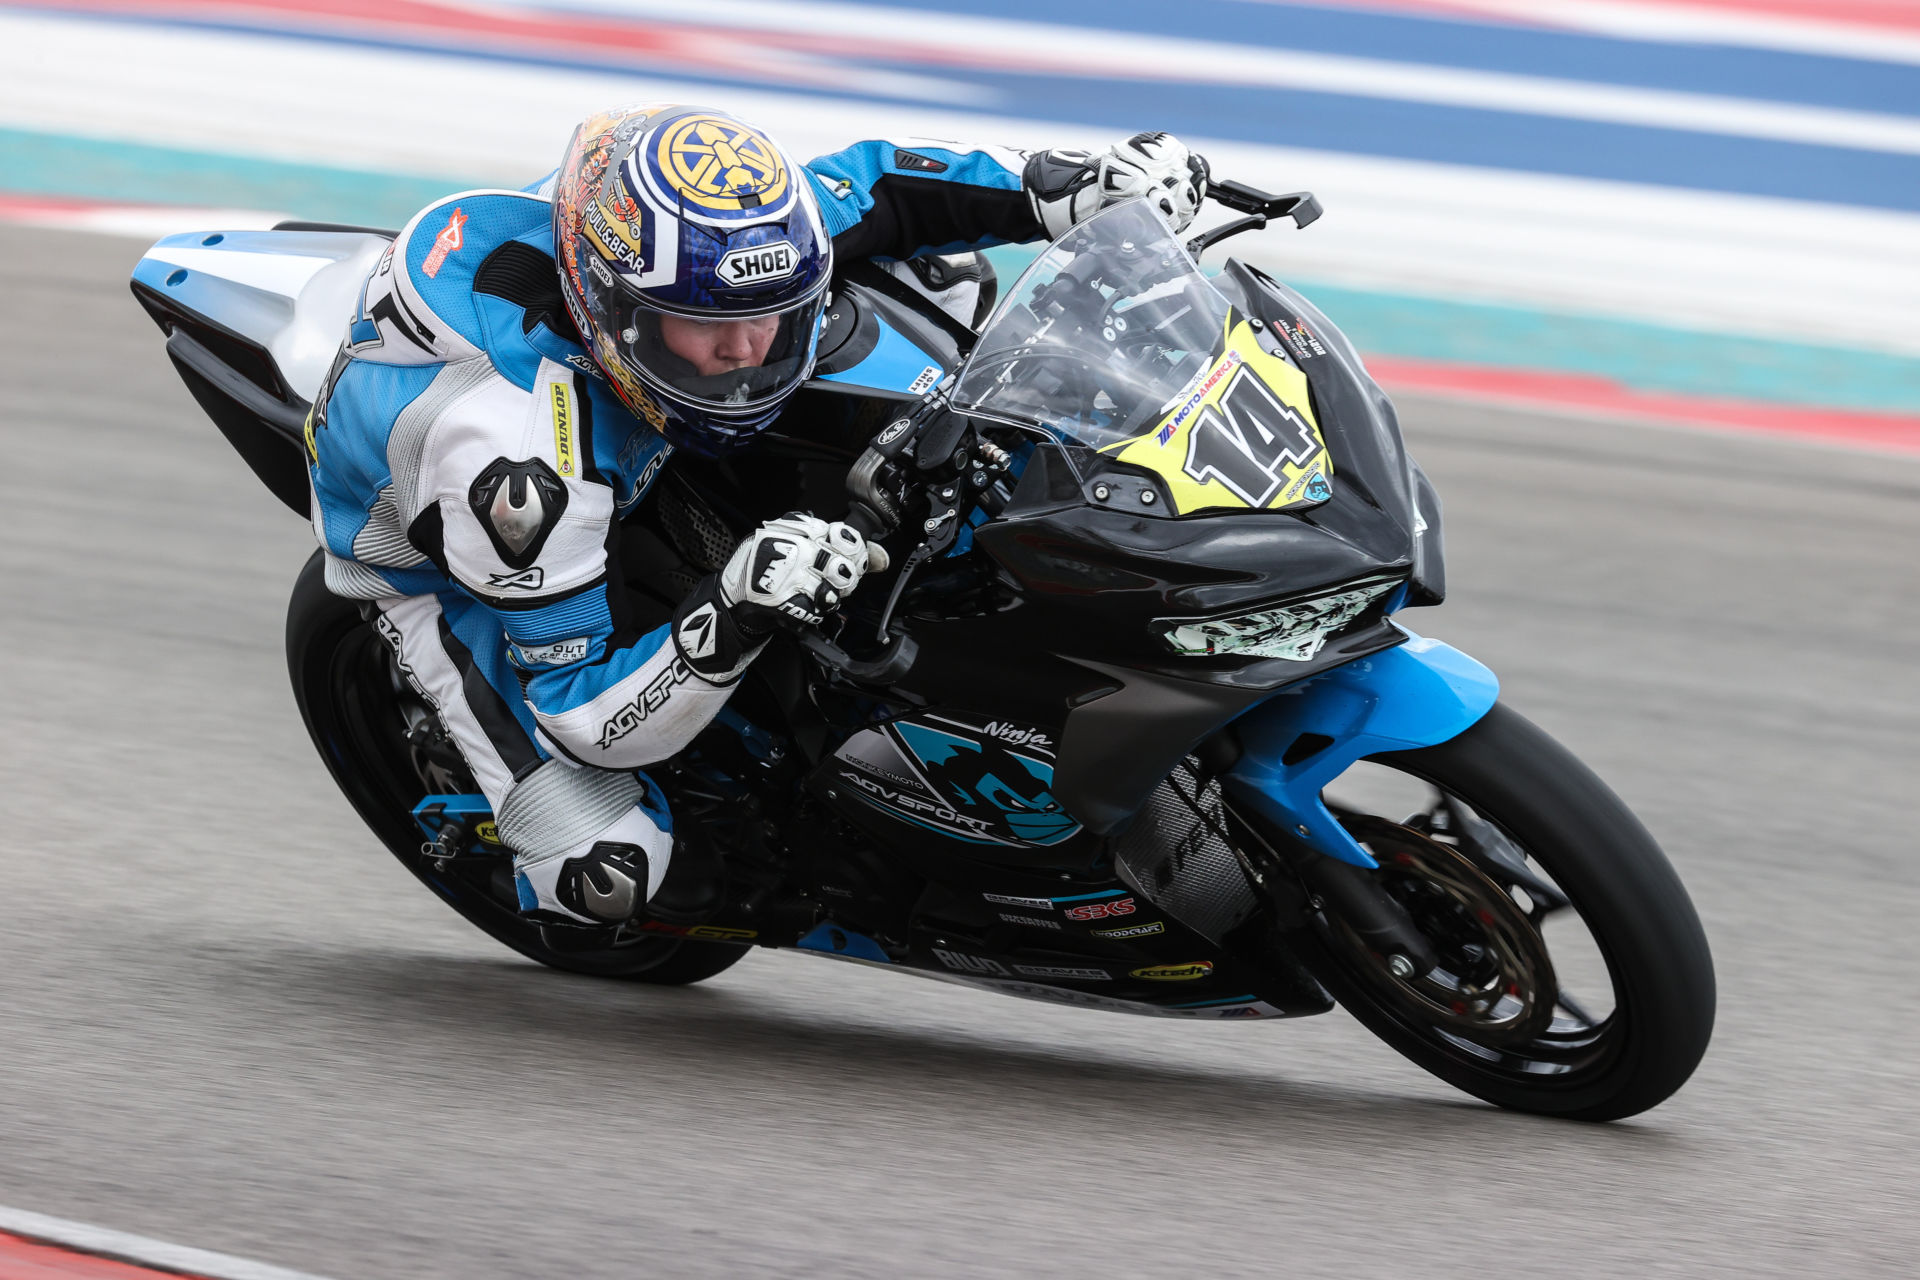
(650, 700)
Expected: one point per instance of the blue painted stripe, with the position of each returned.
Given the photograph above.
(1089, 897)
(1475, 136)
(1363, 125)
(1484, 45)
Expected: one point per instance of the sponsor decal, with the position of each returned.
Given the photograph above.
(615, 240)
(895, 429)
(563, 429)
(898, 779)
(1239, 1011)
(759, 264)
(306, 433)
(1018, 736)
(451, 238)
(524, 580)
(1185, 411)
(638, 443)
(1174, 972)
(699, 633)
(1300, 340)
(925, 379)
(1132, 930)
(487, 831)
(586, 365)
(1031, 921)
(969, 964)
(966, 783)
(1318, 490)
(700, 932)
(649, 700)
(917, 163)
(1081, 999)
(555, 654)
(721, 165)
(1064, 972)
(839, 188)
(906, 801)
(1008, 900)
(1101, 910)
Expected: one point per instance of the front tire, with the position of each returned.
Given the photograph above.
(351, 697)
(1558, 827)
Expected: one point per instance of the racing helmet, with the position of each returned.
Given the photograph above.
(694, 261)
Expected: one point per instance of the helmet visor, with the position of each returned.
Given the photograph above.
(724, 364)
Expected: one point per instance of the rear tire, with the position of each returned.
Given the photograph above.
(344, 682)
(1624, 892)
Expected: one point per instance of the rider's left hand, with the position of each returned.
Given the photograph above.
(1067, 187)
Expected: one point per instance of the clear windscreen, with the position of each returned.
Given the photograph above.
(1100, 336)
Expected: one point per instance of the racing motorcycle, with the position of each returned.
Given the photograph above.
(1132, 723)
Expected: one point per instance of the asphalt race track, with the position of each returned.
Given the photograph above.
(229, 1019)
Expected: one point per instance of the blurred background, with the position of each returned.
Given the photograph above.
(1557, 228)
(1706, 211)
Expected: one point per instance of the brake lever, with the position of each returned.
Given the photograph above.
(1301, 206)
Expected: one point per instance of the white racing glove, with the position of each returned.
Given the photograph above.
(789, 572)
(1067, 187)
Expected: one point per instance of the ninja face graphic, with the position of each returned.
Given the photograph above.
(1011, 792)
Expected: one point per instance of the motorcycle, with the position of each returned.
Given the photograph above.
(1132, 724)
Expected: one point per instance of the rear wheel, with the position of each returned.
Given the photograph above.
(385, 749)
(1573, 977)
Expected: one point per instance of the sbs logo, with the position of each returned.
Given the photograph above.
(764, 262)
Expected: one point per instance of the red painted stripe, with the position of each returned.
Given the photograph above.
(23, 1259)
(1542, 390)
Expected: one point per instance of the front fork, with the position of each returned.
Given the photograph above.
(1297, 742)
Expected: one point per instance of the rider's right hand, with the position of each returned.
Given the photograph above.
(792, 571)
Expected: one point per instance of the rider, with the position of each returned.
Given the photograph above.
(520, 366)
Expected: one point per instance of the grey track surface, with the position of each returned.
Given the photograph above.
(229, 1019)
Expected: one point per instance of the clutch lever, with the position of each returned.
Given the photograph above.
(883, 670)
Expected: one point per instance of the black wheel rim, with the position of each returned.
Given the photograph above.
(1495, 1003)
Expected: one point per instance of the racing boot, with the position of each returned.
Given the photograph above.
(695, 886)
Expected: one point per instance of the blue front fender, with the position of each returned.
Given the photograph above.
(1421, 693)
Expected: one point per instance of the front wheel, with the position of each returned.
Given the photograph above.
(1573, 977)
(378, 739)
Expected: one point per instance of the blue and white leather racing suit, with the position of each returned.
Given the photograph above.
(461, 358)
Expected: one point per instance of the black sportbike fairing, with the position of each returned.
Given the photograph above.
(1030, 802)
(1137, 504)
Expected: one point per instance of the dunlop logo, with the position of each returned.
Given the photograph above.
(563, 429)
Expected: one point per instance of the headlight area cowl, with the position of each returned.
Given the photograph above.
(1104, 585)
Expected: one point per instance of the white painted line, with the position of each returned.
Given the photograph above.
(1792, 269)
(140, 1250)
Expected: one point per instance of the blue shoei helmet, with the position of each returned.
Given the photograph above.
(695, 263)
